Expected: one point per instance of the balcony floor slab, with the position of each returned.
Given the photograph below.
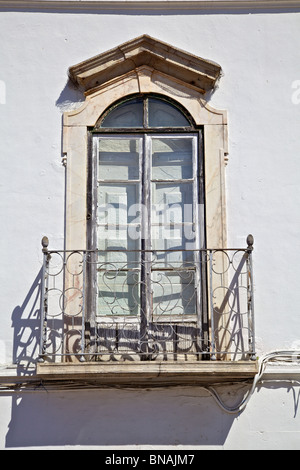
(148, 374)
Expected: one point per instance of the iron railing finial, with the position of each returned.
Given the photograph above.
(45, 244)
(250, 243)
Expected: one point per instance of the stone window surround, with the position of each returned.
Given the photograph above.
(105, 82)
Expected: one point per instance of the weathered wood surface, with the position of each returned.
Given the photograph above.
(149, 373)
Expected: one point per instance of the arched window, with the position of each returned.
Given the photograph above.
(147, 216)
(144, 112)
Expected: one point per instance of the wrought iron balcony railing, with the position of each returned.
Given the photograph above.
(147, 305)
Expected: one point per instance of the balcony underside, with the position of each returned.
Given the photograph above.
(153, 374)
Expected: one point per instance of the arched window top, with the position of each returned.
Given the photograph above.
(127, 114)
(144, 112)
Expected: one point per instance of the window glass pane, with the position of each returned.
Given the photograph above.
(118, 292)
(172, 203)
(118, 159)
(172, 223)
(128, 114)
(118, 223)
(113, 243)
(178, 238)
(162, 114)
(173, 293)
(172, 158)
(118, 203)
(118, 272)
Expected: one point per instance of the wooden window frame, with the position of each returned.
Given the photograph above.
(147, 135)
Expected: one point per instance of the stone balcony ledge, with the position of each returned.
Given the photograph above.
(132, 374)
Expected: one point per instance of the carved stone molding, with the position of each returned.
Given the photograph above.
(96, 5)
(202, 74)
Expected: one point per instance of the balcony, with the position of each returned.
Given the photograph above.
(148, 314)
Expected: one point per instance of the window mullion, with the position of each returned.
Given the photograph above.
(146, 198)
(146, 255)
(197, 229)
(146, 114)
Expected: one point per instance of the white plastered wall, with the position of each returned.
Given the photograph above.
(259, 54)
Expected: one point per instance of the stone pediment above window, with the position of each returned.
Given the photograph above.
(146, 51)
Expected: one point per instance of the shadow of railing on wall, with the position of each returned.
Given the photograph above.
(26, 320)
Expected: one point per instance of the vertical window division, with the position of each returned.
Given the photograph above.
(143, 112)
